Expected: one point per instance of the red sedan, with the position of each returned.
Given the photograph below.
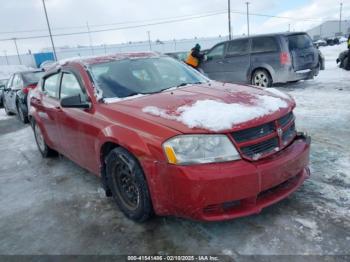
(166, 140)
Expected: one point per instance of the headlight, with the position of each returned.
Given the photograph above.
(195, 149)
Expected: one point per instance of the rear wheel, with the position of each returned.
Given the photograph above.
(22, 117)
(44, 149)
(261, 78)
(128, 185)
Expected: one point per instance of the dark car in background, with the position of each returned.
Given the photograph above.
(263, 59)
(3, 83)
(342, 59)
(16, 91)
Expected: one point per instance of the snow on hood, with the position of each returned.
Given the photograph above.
(217, 115)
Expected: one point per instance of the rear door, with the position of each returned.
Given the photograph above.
(48, 106)
(304, 54)
(265, 52)
(17, 85)
(237, 60)
(214, 66)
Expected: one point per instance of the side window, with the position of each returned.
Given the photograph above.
(264, 44)
(9, 83)
(17, 81)
(216, 52)
(50, 86)
(238, 47)
(70, 87)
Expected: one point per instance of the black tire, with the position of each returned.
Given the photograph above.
(128, 185)
(21, 116)
(7, 111)
(345, 64)
(44, 149)
(262, 78)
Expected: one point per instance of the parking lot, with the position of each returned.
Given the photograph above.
(52, 206)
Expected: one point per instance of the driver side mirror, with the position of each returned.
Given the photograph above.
(74, 102)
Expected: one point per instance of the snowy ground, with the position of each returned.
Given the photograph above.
(52, 206)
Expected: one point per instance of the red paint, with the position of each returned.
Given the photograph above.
(196, 191)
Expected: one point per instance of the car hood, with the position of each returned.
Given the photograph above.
(170, 101)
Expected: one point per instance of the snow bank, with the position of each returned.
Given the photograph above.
(7, 70)
(216, 115)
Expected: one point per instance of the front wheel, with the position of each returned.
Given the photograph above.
(261, 78)
(128, 185)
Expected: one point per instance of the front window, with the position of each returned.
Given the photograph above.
(216, 52)
(127, 77)
(70, 87)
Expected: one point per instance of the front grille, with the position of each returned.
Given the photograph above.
(288, 134)
(255, 151)
(254, 132)
(269, 138)
(283, 121)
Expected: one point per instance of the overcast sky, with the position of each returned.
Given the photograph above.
(24, 15)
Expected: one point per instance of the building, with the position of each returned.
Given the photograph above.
(330, 29)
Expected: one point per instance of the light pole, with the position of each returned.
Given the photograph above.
(149, 40)
(90, 38)
(19, 57)
(247, 3)
(229, 19)
(48, 26)
(7, 60)
(341, 9)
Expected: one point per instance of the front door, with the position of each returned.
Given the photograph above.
(214, 66)
(77, 140)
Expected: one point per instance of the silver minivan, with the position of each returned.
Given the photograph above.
(264, 59)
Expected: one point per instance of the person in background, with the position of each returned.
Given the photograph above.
(195, 57)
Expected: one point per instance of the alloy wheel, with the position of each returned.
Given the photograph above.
(261, 79)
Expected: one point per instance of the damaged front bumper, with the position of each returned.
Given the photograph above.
(234, 189)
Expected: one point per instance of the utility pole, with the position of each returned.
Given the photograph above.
(341, 9)
(7, 60)
(175, 44)
(229, 19)
(48, 26)
(19, 57)
(247, 3)
(90, 38)
(149, 40)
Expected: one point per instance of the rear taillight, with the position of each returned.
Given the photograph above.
(284, 58)
(27, 88)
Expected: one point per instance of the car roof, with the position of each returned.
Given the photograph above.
(264, 35)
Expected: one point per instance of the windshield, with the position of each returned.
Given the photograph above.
(129, 77)
(32, 77)
(300, 41)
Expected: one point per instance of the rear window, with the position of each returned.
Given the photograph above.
(32, 77)
(264, 44)
(300, 41)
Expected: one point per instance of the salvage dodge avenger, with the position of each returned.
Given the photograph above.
(166, 140)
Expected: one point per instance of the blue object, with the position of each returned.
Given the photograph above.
(42, 57)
